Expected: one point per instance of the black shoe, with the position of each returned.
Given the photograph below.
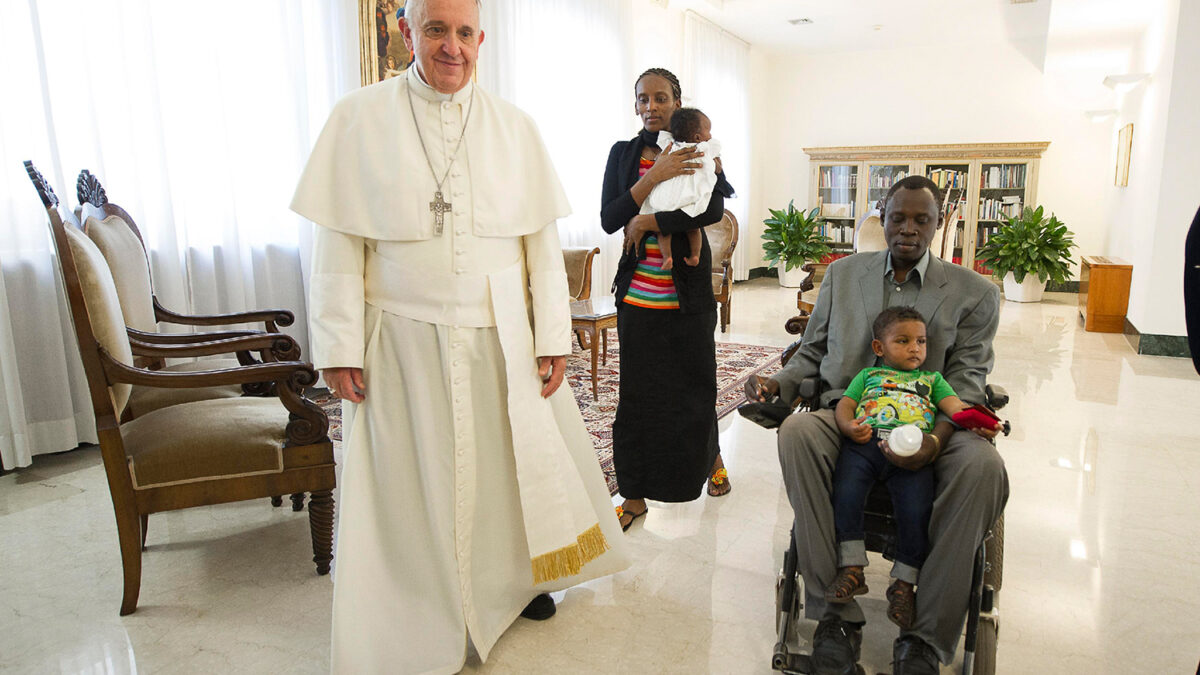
(836, 647)
(913, 656)
(540, 608)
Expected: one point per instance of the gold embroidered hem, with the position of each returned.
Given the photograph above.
(569, 560)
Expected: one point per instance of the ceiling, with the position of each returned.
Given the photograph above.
(853, 25)
(856, 25)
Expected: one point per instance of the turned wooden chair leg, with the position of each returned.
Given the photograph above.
(277, 501)
(320, 522)
(298, 501)
(145, 528)
(129, 535)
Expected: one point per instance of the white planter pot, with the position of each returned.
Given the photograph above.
(791, 278)
(1029, 290)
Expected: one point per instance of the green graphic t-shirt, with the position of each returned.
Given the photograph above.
(891, 398)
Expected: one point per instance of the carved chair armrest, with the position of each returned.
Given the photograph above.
(796, 326)
(280, 347)
(308, 424)
(271, 317)
(189, 338)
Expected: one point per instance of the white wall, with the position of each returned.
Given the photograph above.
(991, 93)
(1150, 217)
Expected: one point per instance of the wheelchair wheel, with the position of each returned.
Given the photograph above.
(985, 645)
(993, 571)
(795, 603)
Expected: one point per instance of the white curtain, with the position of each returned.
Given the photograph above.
(567, 63)
(197, 118)
(716, 79)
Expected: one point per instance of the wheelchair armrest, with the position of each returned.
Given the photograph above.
(810, 391)
(996, 396)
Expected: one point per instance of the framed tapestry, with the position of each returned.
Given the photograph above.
(381, 53)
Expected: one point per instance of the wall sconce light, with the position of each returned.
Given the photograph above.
(1124, 81)
(1100, 115)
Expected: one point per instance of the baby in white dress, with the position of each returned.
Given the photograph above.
(690, 192)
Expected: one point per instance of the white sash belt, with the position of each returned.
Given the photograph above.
(462, 300)
(561, 527)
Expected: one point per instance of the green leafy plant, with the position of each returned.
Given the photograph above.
(793, 236)
(1030, 244)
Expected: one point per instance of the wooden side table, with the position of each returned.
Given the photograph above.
(1104, 293)
(594, 317)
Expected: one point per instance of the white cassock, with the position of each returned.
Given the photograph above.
(463, 493)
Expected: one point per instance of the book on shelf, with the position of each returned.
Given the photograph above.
(948, 179)
(1003, 177)
(831, 179)
(883, 181)
(999, 209)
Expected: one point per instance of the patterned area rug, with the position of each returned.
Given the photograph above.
(735, 363)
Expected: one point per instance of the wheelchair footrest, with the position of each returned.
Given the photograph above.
(800, 664)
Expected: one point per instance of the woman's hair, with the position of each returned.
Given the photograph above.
(666, 75)
(892, 316)
(913, 182)
(685, 124)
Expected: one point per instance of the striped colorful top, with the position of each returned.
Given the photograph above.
(652, 286)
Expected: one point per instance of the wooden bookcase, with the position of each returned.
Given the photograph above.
(988, 180)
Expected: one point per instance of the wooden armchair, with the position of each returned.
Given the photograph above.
(722, 240)
(578, 261)
(190, 454)
(114, 232)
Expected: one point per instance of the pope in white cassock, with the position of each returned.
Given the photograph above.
(440, 316)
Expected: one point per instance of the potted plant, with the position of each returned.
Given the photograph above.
(1027, 251)
(793, 237)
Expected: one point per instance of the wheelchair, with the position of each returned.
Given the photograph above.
(983, 617)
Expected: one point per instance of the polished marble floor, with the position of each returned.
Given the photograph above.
(1101, 572)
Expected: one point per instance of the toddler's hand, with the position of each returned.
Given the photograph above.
(859, 431)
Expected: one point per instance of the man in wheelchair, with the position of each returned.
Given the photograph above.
(962, 311)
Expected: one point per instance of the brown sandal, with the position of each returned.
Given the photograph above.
(626, 524)
(849, 582)
(902, 604)
(718, 483)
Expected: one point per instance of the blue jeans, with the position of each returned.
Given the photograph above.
(859, 466)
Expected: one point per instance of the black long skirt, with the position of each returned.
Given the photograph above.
(665, 432)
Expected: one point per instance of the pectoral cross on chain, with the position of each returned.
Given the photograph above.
(439, 207)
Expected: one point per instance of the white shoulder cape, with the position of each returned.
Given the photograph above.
(367, 175)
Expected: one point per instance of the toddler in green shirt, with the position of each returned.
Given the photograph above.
(878, 400)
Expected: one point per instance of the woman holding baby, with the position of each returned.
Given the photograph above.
(665, 433)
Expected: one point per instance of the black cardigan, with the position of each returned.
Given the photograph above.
(693, 285)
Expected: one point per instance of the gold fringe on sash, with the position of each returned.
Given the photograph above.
(569, 560)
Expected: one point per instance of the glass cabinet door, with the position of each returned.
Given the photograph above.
(837, 195)
(1002, 195)
(951, 177)
(880, 178)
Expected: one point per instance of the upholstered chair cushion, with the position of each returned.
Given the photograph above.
(127, 259)
(869, 234)
(718, 281)
(719, 235)
(576, 261)
(103, 307)
(145, 400)
(204, 440)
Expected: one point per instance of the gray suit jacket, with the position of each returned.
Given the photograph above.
(961, 310)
